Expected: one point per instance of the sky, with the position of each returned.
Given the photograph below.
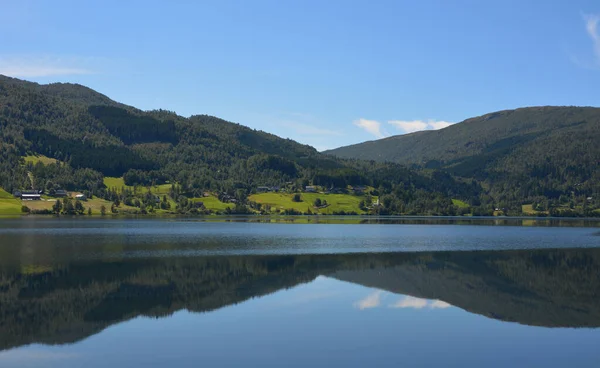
(325, 73)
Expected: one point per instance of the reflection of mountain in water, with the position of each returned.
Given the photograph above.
(67, 303)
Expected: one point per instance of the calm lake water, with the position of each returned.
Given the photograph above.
(188, 293)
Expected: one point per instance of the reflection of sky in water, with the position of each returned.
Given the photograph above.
(322, 323)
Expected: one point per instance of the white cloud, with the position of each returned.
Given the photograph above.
(371, 126)
(437, 125)
(418, 303)
(34, 67)
(371, 301)
(411, 126)
(591, 25)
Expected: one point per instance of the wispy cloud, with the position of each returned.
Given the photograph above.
(411, 126)
(418, 303)
(372, 300)
(35, 67)
(371, 126)
(591, 25)
(307, 129)
(376, 129)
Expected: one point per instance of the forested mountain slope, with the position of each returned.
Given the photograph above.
(94, 137)
(523, 154)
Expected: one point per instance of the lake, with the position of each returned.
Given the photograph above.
(246, 292)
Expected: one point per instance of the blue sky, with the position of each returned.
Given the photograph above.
(325, 73)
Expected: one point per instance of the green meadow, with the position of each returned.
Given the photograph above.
(9, 205)
(335, 202)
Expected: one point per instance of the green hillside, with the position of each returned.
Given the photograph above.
(9, 206)
(67, 136)
(539, 154)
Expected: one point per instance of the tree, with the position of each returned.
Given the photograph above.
(103, 210)
(297, 198)
(78, 208)
(89, 211)
(57, 207)
(318, 202)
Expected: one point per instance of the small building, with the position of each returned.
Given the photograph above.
(81, 197)
(17, 193)
(275, 188)
(61, 193)
(263, 189)
(310, 189)
(31, 197)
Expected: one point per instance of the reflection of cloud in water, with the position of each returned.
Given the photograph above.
(410, 302)
(418, 303)
(438, 304)
(372, 300)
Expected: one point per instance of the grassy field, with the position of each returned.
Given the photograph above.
(527, 209)
(118, 183)
(213, 203)
(39, 158)
(95, 204)
(9, 205)
(460, 204)
(115, 183)
(337, 202)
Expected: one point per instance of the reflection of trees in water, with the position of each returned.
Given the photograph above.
(66, 303)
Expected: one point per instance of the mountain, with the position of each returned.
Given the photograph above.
(93, 137)
(521, 155)
(64, 303)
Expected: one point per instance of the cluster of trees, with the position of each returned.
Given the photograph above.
(68, 206)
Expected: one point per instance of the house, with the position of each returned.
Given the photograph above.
(81, 197)
(310, 189)
(17, 193)
(275, 188)
(263, 189)
(61, 193)
(336, 190)
(31, 195)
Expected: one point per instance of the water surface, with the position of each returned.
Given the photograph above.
(99, 293)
